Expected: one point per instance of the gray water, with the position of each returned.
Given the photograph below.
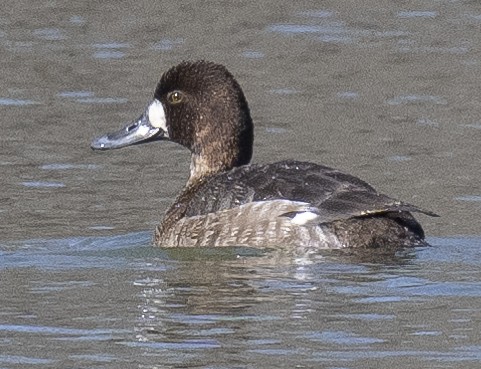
(389, 91)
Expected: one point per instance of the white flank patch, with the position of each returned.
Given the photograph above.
(306, 218)
(157, 115)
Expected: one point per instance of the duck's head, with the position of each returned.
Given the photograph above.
(200, 106)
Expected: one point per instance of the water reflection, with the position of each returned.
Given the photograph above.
(39, 184)
(87, 97)
(110, 50)
(16, 102)
(250, 54)
(255, 306)
(417, 14)
(326, 28)
(77, 19)
(416, 99)
(49, 34)
(67, 166)
(167, 44)
(218, 298)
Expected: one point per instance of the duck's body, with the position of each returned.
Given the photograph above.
(228, 202)
(287, 202)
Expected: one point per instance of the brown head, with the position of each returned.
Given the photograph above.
(201, 106)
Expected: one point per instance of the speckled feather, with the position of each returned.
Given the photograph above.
(253, 205)
(335, 194)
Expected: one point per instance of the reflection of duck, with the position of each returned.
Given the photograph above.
(228, 202)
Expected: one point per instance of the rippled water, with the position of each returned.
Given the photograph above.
(385, 90)
(117, 301)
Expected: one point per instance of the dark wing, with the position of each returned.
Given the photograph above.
(344, 205)
(336, 195)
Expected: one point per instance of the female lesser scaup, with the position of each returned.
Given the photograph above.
(227, 202)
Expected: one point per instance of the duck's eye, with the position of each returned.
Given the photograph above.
(175, 97)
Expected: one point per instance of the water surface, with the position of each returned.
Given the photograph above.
(387, 91)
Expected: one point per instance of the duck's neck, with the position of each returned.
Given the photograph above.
(202, 167)
(199, 168)
(212, 154)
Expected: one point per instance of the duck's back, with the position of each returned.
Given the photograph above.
(336, 195)
(259, 204)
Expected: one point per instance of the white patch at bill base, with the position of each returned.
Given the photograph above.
(157, 115)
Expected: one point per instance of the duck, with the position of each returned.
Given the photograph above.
(227, 201)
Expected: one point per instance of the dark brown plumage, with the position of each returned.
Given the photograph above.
(228, 202)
